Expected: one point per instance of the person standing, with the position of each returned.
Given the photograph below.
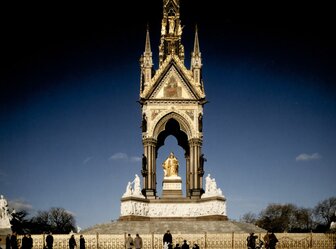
(177, 246)
(81, 242)
(72, 242)
(168, 238)
(137, 241)
(185, 245)
(195, 246)
(24, 242)
(272, 241)
(8, 243)
(30, 241)
(129, 242)
(50, 241)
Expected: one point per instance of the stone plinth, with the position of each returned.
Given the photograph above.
(213, 208)
(172, 187)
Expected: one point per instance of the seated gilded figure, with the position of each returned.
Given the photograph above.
(170, 166)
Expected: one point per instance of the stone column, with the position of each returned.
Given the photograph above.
(195, 152)
(188, 174)
(150, 178)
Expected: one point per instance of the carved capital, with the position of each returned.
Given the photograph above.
(149, 141)
(195, 142)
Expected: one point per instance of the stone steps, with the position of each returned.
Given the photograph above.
(175, 226)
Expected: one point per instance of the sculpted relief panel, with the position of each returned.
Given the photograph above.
(211, 207)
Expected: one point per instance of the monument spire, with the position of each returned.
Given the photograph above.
(171, 31)
(196, 63)
(146, 64)
(147, 44)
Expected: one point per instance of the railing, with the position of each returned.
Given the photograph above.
(205, 240)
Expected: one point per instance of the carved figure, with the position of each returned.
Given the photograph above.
(201, 167)
(179, 29)
(144, 123)
(137, 188)
(144, 162)
(171, 25)
(208, 182)
(129, 190)
(3, 207)
(170, 166)
(200, 123)
(163, 27)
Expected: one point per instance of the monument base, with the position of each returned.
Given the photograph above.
(172, 187)
(211, 208)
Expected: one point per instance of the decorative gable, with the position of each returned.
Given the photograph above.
(172, 86)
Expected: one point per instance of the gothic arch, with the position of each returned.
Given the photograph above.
(183, 124)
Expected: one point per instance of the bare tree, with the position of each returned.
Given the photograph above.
(61, 221)
(56, 220)
(324, 210)
(249, 218)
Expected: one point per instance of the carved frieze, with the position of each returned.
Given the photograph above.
(158, 210)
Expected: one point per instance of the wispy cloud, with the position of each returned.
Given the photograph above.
(121, 156)
(20, 204)
(135, 159)
(307, 157)
(86, 160)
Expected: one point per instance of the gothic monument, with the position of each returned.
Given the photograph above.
(172, 99)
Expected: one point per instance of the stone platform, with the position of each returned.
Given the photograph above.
(182, 226)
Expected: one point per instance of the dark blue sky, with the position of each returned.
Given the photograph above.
(70, 124)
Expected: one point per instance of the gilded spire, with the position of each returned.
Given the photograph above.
(196, 43)
(196, 59)
(147, 45)
(171, 31)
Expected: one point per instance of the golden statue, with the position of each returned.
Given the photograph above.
(170, 166)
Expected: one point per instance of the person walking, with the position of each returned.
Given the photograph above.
(129, 243)
(266, 240)
(137, 242)
(13, 241)
(72, 242)
(272, 241)
(50, 240)
(81, 242)
(251, 241)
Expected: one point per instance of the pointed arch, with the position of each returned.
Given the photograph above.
(173, 124)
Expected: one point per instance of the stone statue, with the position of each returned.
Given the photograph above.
(134, 190)
(208, 182)
(137, 188)
(170, 166)
(144, 162)
(211, 188)
(200, 122)
(201, 166)
(163, 27)
(129, 190)
(5, 215)
(171, 25)
(3, 207)
(144, 123)
(179, 29)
